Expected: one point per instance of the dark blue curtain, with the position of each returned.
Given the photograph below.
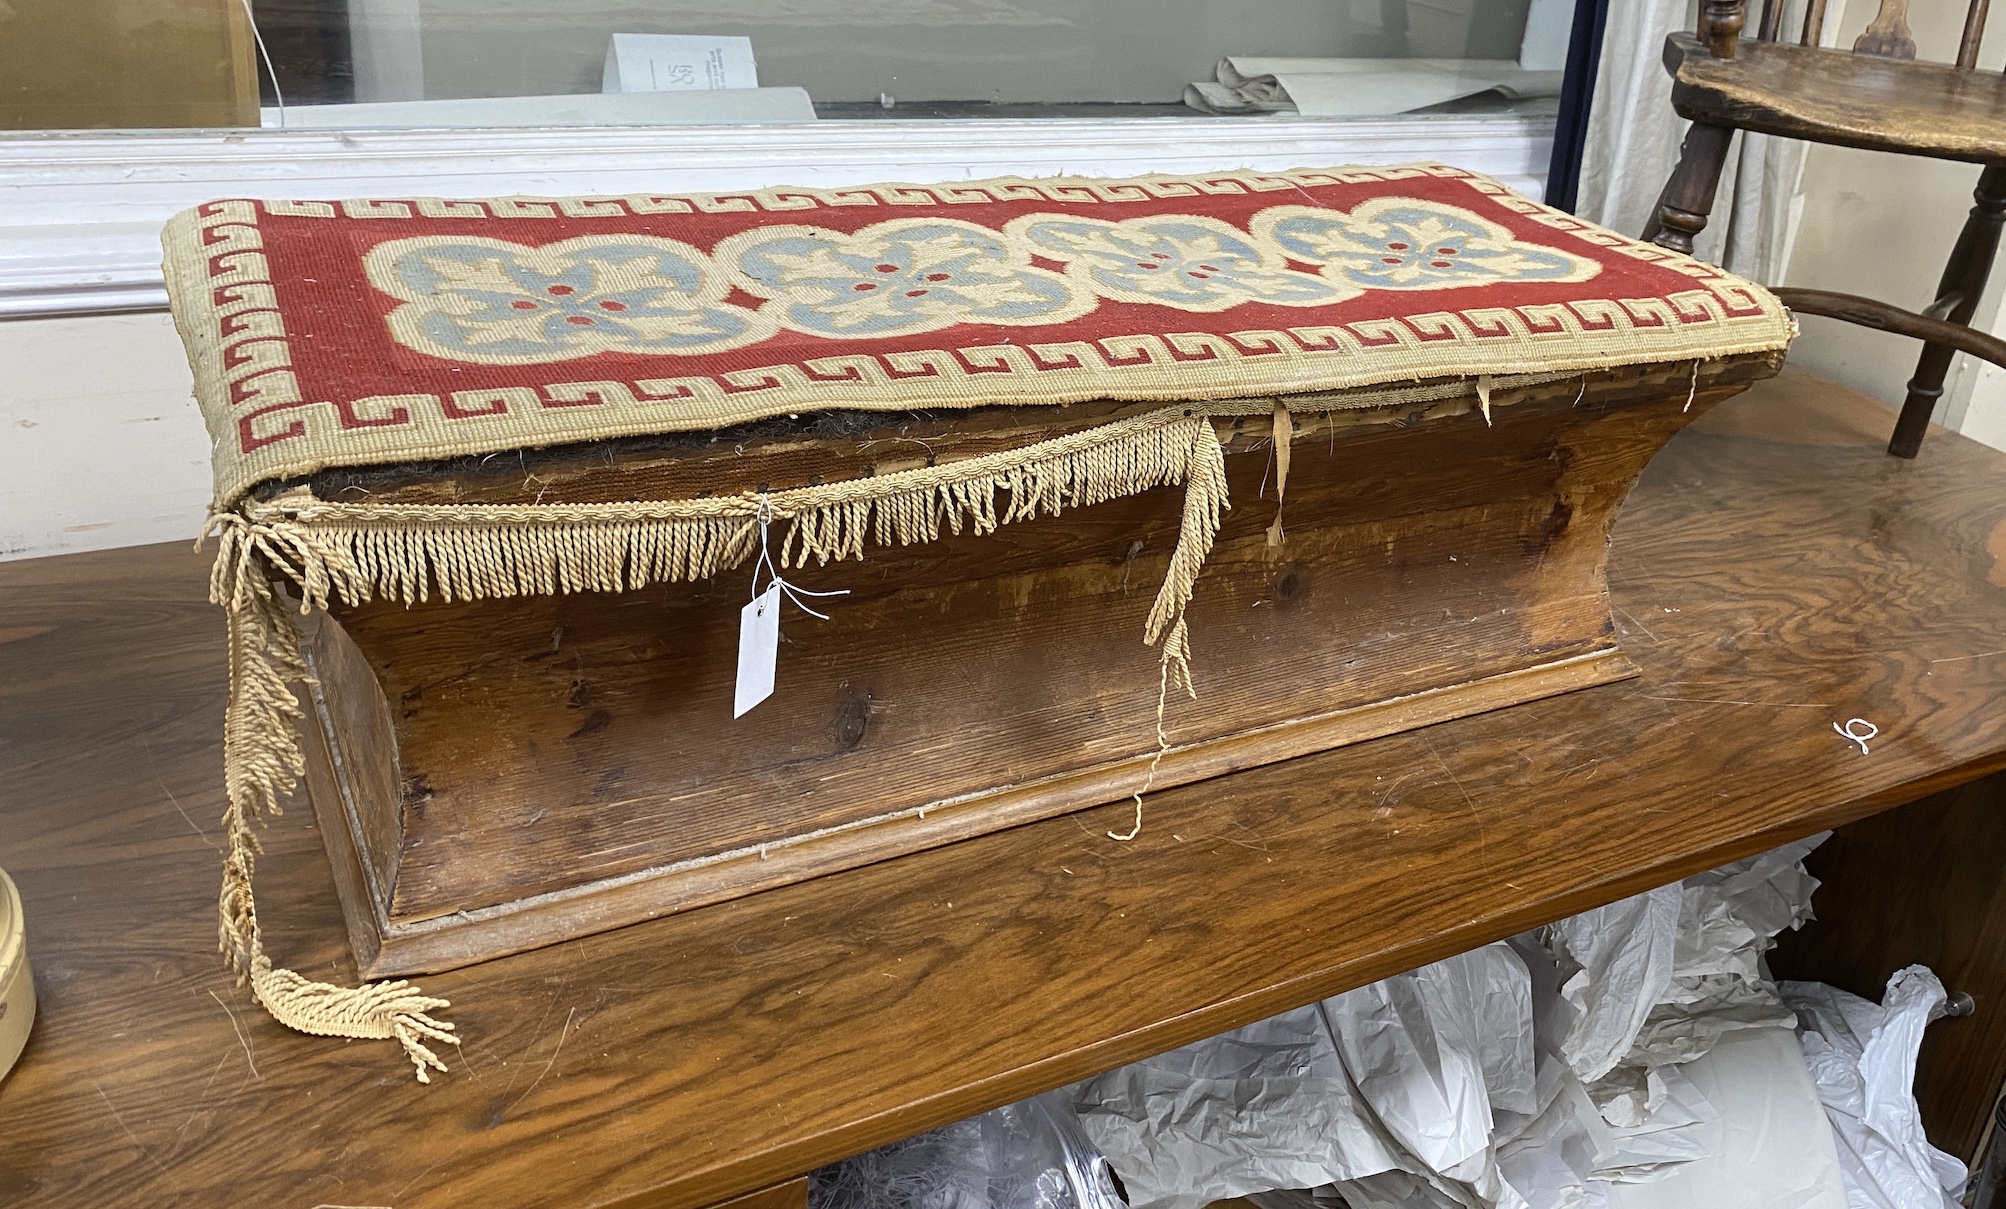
(1577, 90)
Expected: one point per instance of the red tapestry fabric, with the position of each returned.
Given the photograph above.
(331, 333)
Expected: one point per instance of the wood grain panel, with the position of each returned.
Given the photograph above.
(559, 765)
(1769, 578)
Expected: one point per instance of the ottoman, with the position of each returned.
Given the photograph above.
(598, 558)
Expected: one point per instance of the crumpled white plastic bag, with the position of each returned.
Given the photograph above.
(1862, 1058)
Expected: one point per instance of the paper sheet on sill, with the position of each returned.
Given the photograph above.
(678, 62)
(1359, 87)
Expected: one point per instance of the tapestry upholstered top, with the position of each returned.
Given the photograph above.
(337, 333)
(349, 333)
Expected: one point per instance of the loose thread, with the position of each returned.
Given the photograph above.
(1860, 736)
(1693, 391)
(1484, 397)
(1177, 657)
(1162, 746)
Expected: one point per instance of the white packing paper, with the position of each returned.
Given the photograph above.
(1541, 1072)
(1679, 1127)
(1268, 1106)
(1771, 1149)
(1728, 918)
(1619, 961)
(1386, 1092)
(1432, 1050)
(1660, 977)
(1549, 1159)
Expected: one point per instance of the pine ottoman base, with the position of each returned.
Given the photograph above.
(495, 775)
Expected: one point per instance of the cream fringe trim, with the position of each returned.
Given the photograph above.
(408, 552)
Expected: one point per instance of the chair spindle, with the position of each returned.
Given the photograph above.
(1720, 26)
(1772, 18)
(1814, 24)
(1974, 29)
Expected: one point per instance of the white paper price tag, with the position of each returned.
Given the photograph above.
(758, 649)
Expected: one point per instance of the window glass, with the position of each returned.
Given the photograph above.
(434, 63)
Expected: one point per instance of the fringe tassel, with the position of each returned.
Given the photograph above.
(408, 552)
(1204, 499)
(471, 552)
(1284, 429)
(261, 763)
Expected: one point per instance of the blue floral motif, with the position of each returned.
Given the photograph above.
(1185, 261)
(1408, 244)
(895, 278)
(479, 299)
(486, 300)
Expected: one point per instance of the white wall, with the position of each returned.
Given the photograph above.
(1882, 225)
(100, 441)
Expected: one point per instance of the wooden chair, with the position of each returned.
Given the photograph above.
(1876, 97)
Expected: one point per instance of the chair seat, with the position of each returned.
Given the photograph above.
(1834, 96)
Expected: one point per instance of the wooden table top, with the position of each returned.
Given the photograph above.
(1774, 573)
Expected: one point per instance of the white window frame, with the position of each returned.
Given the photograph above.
(80, 212)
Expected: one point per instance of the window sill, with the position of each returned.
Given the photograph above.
(80, 220)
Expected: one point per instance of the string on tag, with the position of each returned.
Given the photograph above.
(1858, 736)
(767, 564)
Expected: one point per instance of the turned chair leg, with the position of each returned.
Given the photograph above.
(1688, 196)
(1956, 300)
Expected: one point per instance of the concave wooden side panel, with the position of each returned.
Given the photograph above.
(553, 766)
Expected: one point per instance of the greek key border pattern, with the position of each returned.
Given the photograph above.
(786, 200)
(228, 311)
